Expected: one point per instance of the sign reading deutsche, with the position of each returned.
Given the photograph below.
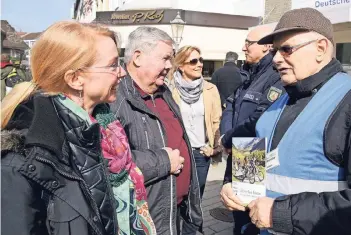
(326, 3)
(320, 4)
(139, 17)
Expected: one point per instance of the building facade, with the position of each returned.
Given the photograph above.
(11, 43)
(274, 9)
(338, 11)
(214, 28)
(29, 39)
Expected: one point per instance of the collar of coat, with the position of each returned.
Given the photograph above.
(34, 123)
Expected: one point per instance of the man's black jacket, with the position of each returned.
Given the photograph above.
(227, 80)
(147, 138)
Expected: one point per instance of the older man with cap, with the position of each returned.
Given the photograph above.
(308, 132)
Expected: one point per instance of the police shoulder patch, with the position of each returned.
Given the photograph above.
(273, 94)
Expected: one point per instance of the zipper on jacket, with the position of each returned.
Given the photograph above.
(163, 139)
(146, 136)
(86, 192)
(171, 213)
(153, 100)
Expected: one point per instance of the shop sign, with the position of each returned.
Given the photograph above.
(329, 3)
(139, 17)
(320, 4)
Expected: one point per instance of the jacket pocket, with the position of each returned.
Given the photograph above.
(64, 220)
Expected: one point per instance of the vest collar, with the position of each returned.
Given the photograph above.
(313, 83)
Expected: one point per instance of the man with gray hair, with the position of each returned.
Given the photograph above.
(227, 79)
(308, 133)
(156, 134)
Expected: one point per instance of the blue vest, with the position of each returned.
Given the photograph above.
(303, 165)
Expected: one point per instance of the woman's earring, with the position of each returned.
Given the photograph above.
(81, 97)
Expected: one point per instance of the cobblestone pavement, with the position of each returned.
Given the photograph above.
(211, 200)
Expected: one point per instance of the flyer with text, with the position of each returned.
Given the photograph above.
(248, 168)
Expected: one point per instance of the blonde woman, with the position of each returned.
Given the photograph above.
(201, 111)
(66, 163)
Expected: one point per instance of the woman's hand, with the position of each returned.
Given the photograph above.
(209, 152)
(261, 212)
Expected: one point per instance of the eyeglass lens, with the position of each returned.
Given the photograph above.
(194, 61)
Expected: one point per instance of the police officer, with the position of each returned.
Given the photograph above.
(260, 89)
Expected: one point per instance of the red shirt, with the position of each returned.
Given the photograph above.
(175, 138)
(4, 64)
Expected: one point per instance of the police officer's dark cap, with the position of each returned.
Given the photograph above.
(301, 20)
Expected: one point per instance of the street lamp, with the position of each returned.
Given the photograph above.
(177, 29)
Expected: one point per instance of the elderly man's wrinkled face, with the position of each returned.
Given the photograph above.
(155, 65)
(298, 56)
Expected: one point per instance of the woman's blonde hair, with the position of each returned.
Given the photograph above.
(63, 46)
(181, 56)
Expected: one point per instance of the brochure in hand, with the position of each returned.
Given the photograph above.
(248, 168)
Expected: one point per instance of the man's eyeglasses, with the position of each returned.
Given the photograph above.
(288, 50)
(115, 67)
(249, 43)
(195, 60)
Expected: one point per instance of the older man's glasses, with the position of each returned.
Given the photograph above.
(195, 60)
(288, 50)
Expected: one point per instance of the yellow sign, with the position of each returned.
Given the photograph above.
(140, 16)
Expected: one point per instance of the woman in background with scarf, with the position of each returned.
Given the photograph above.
(200, 105)
(66, 163)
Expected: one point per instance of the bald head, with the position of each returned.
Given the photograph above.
(259, 32)
(254, 52)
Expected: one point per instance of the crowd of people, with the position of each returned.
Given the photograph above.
(92, 145)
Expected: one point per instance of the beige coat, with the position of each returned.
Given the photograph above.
(213, 110)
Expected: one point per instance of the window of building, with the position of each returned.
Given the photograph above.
(208, 69)
(343, 54)
(31, 43)
(15, 54)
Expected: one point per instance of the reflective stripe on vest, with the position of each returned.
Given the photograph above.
(288, 185)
